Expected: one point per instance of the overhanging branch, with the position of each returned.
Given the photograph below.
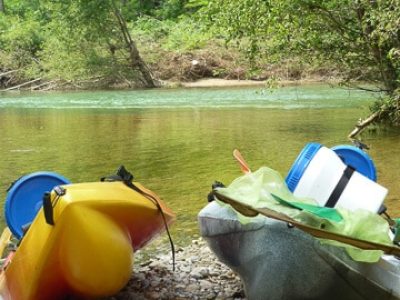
(364, 124)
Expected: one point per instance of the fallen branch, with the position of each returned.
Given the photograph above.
(47, 83)
(50, 87)
(8, 73)
(360, 88)
(363, 124)
(21, 85)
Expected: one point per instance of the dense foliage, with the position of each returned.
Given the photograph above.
(99, 41)
(362, 38)
(77, 41)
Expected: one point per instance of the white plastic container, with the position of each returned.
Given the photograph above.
(319, 173)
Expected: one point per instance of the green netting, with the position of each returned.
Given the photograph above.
(265, 188)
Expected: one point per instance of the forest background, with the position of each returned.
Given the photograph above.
(95, 44)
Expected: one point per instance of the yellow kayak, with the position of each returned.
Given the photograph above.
(83, 243)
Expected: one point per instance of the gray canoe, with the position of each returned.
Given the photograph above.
(278, 262)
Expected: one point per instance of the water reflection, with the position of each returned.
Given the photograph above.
(178, 152)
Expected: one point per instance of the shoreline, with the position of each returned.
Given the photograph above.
(201, 83)
(198, 275)
(217, 82)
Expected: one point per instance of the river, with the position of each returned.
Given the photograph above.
(178, 141)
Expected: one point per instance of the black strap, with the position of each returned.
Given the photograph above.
(216, 184)
(122, 175)
(49, 204)
(48, 208)
(339, 188)
(155, 201)
(126, 177)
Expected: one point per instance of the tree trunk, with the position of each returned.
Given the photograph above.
(137, 61)
(135, 58)
(2, 7)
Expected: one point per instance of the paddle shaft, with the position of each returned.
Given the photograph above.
(248, 210)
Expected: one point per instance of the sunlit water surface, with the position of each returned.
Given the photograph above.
(177, 142)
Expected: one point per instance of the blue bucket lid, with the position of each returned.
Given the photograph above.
(300, 165)
(358, 159)
(24, 199)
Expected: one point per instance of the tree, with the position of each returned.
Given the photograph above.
(2, 7)
(367, 38)
(104, 20)
(73, 40)
(361, 37)
(135, 58)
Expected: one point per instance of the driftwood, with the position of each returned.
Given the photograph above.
(21, 85)
(50, 87)
(40, 86)
(8, 73)
(363, 124)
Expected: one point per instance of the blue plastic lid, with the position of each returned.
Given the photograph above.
(300, 165)
(24, 199)
(358, 159)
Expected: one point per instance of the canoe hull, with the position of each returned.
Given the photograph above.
(278, 262)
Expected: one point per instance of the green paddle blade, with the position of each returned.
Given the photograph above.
(320, 211)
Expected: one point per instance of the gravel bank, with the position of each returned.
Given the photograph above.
(198, 275)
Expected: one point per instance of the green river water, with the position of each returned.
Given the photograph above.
(178, 141)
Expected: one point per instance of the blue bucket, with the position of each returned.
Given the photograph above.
(350, 155)
(24, 199)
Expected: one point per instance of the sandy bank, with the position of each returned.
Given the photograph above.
(215, 82)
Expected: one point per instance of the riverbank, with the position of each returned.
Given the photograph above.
(198, 275)
(201, 83)
(272, 79)
(216, 82)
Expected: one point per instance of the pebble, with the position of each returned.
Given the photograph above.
(198, 275)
